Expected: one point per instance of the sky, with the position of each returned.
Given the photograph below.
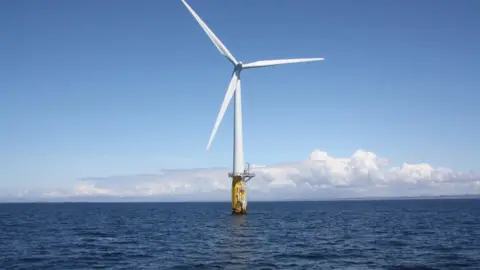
(118, 98)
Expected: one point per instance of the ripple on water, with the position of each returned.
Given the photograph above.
(295, 235)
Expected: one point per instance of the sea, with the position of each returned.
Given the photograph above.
(380, 234)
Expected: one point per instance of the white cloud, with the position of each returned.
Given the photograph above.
(321, 176)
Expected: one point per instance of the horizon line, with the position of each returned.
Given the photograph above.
(115, 200)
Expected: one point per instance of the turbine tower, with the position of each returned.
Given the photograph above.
(239, 175)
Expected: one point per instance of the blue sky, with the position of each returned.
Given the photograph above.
(101, 88)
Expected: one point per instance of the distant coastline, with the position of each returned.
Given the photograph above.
(107, 199)
(438, 197)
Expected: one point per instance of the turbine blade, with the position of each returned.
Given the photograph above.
(266, 63)
(216, 41)
(228, 96)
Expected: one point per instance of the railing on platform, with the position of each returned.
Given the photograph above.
(246, 175)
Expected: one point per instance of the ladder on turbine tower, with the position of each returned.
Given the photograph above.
(246, 175)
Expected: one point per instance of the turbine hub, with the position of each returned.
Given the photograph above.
(239, 66)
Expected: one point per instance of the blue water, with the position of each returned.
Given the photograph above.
(420, 234)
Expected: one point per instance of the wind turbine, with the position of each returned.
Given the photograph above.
(239, 175)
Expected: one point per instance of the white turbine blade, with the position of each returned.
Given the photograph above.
(228, 96)
(223, 50)
(266, 63)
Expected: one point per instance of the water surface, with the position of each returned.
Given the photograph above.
(404, 234)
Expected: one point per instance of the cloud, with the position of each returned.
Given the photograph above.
(321, 176)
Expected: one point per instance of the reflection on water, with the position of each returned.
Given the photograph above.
(238, 221)
(238, 239)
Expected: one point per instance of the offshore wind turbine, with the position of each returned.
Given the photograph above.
(239, 175)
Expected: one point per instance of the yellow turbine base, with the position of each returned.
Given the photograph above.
(239, 196)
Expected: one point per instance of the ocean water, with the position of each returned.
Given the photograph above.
(409, 234)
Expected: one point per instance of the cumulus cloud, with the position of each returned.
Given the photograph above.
(321, 176)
